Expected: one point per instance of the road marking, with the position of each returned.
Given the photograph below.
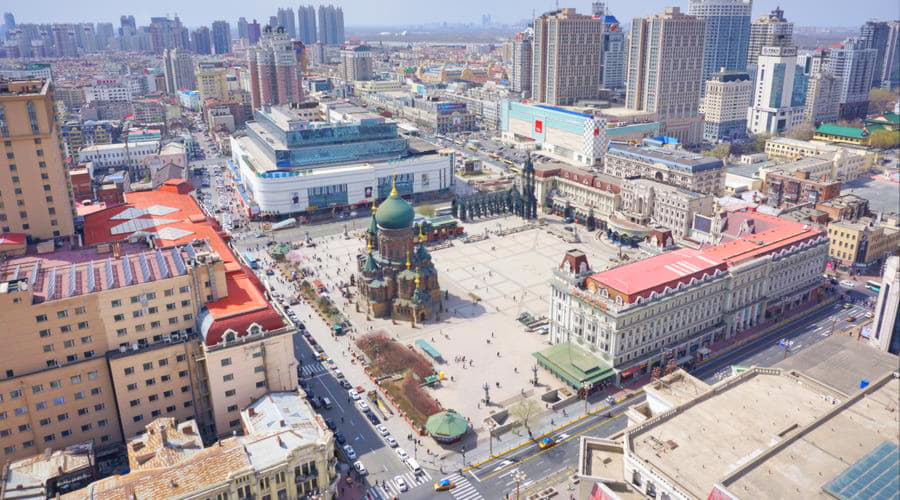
(541, 452)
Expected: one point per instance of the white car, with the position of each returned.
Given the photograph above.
(360, 468)
(382, 430)
(402, 454)
(391, 441)
(401, 483)
(351, 453)
(338, 374)
(562, 437)
(353, 394)
(362, 405)
(848, 283)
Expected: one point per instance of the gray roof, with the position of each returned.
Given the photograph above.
(672, 158)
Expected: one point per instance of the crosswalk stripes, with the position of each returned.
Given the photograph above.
(412, 480)
(464, 489)
(310, 370)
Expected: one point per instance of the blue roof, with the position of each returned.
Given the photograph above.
(610, 19)
(554, 108)
(873, 477)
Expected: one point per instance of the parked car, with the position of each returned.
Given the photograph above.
(360, 468)
(362, 405)
(350, 452)
(339, 437)
(372, 417)
(391, 441)
(353, 395)
(401, 483)
(382, 430)
(331, 424)
(402, 454)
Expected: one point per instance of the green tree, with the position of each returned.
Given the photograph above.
(721, 151)
(885, 139)
(759, 142)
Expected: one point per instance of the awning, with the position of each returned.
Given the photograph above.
(431, 351)
(629, 371)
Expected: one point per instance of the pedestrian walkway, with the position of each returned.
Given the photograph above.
(463, 489)
(391, 489)
(312, 369)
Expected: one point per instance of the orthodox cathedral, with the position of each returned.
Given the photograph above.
(396, 278)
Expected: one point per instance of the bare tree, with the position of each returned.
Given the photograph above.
(524, 411)
(803, 132)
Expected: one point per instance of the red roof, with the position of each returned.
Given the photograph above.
(641, 278)
(13, 239)
(244, 306)
(748, 235)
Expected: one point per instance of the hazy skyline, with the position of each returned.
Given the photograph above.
(405, 12)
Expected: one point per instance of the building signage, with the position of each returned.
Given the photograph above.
(538, 126)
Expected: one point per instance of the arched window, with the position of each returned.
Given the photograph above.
(254, 329)
(230, 335)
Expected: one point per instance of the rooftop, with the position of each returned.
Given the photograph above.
(842, 131)
(748, 433)
(165, 443)
(277, 411)
(27, 477)
(675, 158)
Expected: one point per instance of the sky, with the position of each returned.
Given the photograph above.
(405, 12)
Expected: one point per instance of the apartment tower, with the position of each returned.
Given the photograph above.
(566, 57)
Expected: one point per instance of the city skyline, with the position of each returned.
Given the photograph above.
(363, 14)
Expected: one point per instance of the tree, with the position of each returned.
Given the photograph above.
(524, 411)
(885, 139)
(803, 132)
(882, 100)
(758, 142)
(721, 151)
(426, 209)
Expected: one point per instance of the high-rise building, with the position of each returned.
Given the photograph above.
(566, 57)
(890, 70)
(727, 33)
(613, 59)
(201, 41)
(242, 28)
(212, 81)
(127, 25)
(823, 93)
(724, 106)
(771, 30)
(886, 327)
(875, 35)
(105, 35)
(772, 109)
(853, 65)
(178, 67)
(9, 21)
(287, 21)
(331, 25)
(306, 25)
(221, 37)
(356, 63)
(520, 63)
(274, 66)
(33, 185)
(664, 71)
(253, 32)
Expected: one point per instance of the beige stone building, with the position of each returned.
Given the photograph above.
(115, 334)
(35, 198)
(287, 452)
(862, 242)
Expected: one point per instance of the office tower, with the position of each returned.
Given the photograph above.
(127, 26)
(178, 67)
(273, 66)
(771, 30)
(356, 63)
(331, 25)
(201, 41)
(105, 35)
(665, 71)
(612, 75)
(306, 24)
(253, 32)
(823, 93)
(772, 110)
(221, 37)
(566, 57)
(875, 35)
(727, 33)
(242, 28)
(853, 65)
(33, 185)
(724, 106)
(9, 21)
(287, 21)
(885, 327)
(890, 70)
(521, 61)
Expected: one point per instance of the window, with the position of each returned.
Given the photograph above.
(229, 393)
(185, 388)
(79, 395)
(40, 318)
(62, 314)
(89, 354)
(137, 314)
(137, 418)
(148, 366)
(169, 292)
(134, 402)
(15, 394)
(102, 422)
(170, 307)
(228, 377)
(116, 303)
(261, 383)
(259, 369)
(226, 362)
(131, 387)
(82, 412)
(49, 437)
(152, 310)
(65, 328)
(82, 325)
(96, 391)
(184, 289)
(233, 408)
(155, 324)
(150, 381)
(48, 348)
(37, 389)
(119, 317)
(168, 394)
(75, 379)
(165, 378)
(41, 405)
(153, 397)
(182, 374)
(163, 362)
(99, 406)
(80, 310)
(179, 358)
(44, 333)
(170, 409)
(55, 384)
(69, 344)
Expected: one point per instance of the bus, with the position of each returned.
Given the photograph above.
(873, 285)
(252, 262)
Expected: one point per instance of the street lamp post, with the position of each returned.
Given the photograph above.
(587, 387)
(462, 450)
(519, 476)
(534, 369)
(487, 393)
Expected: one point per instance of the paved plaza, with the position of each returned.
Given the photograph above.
(489, 284)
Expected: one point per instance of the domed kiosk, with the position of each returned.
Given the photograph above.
(396, 277)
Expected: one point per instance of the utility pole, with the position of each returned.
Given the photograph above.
(519, 476)
(534, 369)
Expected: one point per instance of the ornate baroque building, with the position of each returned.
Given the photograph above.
(396, 277)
